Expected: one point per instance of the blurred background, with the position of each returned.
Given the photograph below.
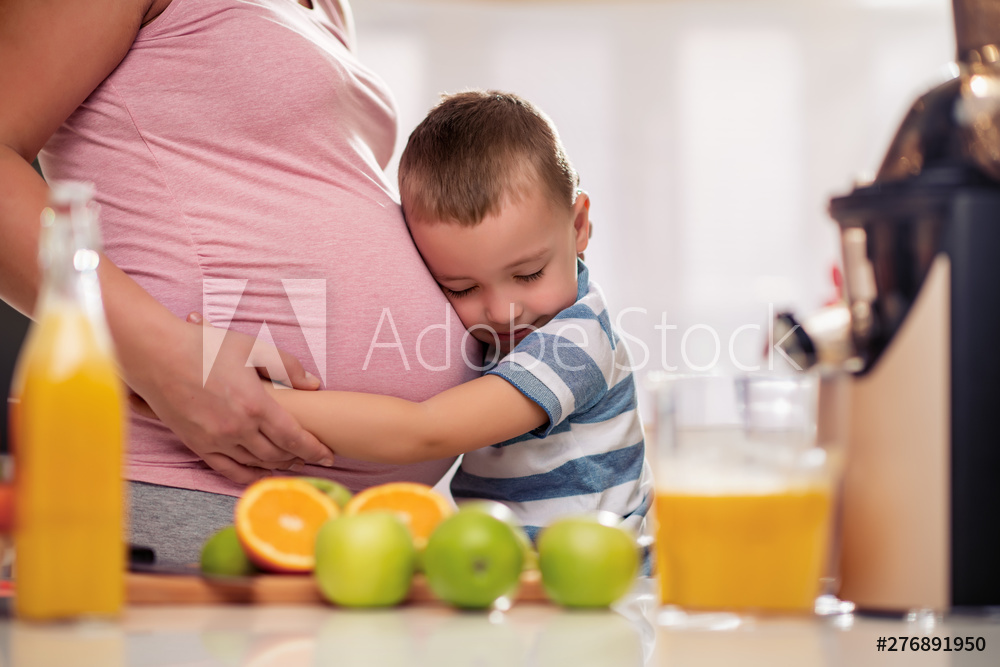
(710, 135)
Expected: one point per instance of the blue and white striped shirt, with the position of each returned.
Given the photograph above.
(591, 454)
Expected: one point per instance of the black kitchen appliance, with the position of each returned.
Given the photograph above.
(921, 326)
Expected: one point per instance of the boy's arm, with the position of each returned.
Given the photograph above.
(385, 429)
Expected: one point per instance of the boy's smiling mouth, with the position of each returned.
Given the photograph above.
(506, 339)
(517, 334)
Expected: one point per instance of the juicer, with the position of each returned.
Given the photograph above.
(919, 330)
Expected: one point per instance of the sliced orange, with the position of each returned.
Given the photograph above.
(421, 507)
(277, 519)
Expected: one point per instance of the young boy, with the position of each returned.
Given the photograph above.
(552, 427)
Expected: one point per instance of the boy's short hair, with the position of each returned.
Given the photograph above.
(476, 148)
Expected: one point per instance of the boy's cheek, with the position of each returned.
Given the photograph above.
(560, 297)
(463, 316)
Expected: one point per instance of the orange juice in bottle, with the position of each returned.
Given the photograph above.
(67, 430)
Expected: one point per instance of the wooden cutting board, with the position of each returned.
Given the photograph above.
(164, 589)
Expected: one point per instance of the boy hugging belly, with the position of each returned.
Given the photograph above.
(552, 427)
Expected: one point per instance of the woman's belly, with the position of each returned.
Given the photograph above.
(347, 295)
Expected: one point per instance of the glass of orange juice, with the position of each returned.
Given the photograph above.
(745, 494)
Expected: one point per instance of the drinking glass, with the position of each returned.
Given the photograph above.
(746, 479)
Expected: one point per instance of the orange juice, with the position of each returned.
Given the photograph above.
(742, 550)
(67, 428)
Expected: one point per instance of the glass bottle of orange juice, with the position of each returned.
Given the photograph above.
(67, 429)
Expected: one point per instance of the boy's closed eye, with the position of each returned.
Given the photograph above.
(457, 294)
(469, 290)
(534, 276)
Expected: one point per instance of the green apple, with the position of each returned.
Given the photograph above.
(585, 562)
(365, 560)
(473, 558)
(223, 555)
(505, 514)
(339, 493)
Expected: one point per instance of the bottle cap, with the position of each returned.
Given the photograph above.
(68, 192)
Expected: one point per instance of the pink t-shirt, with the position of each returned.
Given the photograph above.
(237, 152)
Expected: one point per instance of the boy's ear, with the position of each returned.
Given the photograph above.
(581, 220)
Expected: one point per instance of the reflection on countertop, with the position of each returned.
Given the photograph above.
(528, 634)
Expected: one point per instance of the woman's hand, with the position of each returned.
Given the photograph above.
(211, 396)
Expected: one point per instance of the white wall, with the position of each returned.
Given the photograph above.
(709, 133)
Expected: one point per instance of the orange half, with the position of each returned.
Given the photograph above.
(277, 519)
(421, 507)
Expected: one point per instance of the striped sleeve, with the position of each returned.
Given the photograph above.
(565, 366)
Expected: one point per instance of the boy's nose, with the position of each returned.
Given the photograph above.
(503, 313)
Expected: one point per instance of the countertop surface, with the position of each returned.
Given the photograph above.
(635, 633)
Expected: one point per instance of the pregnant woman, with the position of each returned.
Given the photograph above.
(237, 148)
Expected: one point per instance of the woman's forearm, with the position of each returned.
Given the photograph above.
(23, 195)
(137, 321)
(142, 327)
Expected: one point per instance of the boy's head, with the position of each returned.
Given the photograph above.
(492, 204)
(476, 148)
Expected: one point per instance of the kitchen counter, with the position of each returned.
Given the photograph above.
(528, 634)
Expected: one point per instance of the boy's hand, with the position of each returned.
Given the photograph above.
(291, 400)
